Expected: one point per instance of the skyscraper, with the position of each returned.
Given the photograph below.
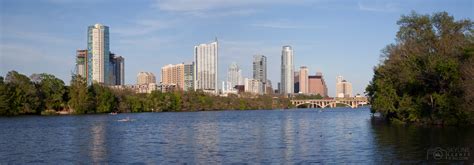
(287, 69)
(81, 63)
(343, 88)
(303, 79)
(205, 67)
(260, 70)
(98, 54)
(234, 75)
(117, 67)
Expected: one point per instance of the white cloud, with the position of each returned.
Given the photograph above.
(378, 6)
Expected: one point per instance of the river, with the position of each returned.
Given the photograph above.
(304, 136)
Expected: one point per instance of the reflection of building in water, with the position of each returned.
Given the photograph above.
(206, 141)
(97, 149)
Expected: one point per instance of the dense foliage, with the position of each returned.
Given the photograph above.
(426, 77)
(45, 94)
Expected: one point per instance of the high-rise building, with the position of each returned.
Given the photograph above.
(260, 69)
(117, 69)
(343, 88)
(234, 75)
(205, 67)
(296, 82)
(188, 76)
(146, 78)
(81, 63)
(287, 70)
(303, 80)
(172, 75)
(317, 85)
(98, 54)
(175, 75)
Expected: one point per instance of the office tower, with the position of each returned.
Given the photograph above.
(303, 80)
(234, 75)
(117, 69)
(343, 88)
(98, 54)
(287, 70)
(81, 63)
(188, 76)
(205, 67)
(260, 69)
(317, 85)
(145, 78)
(296, 82)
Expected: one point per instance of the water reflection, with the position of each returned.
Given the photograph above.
(410, 144)
(97, 150)
(334, 136)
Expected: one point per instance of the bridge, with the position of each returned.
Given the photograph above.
(352, 102)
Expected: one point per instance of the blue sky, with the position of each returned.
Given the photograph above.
(337, 37)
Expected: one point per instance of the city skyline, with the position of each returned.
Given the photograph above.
(146, 39)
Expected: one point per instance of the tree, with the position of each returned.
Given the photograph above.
(422, 77)
(23, 96)
(78, 95)
(52, 90)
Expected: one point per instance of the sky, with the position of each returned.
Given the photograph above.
(335, 37)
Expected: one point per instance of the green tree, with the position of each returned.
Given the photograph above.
(78, 94)
(52, 91)
(422, 77)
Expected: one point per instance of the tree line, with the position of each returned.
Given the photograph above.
(426, 76)
(45, 94)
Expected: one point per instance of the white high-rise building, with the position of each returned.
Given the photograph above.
(234, 75)
(205, 68)
(287, 70)
(343, 88)
(98, 54)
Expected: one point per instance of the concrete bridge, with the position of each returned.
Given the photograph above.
(353, 102)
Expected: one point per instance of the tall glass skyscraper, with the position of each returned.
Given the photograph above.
(98, 54)
(205, 67)
(287, 70)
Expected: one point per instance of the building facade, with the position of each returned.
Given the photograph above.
(117, 64)
(303, 80)
(188, 76)
(98, 54)
(253, 86)
(287, 71)
(145, 78)
(205, 67)
(180, 75)
(81, 64)
(317, 85)
(234, 75)
(296, 82)
(343, 88)
(260, 70)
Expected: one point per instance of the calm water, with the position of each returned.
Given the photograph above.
(303, 136)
